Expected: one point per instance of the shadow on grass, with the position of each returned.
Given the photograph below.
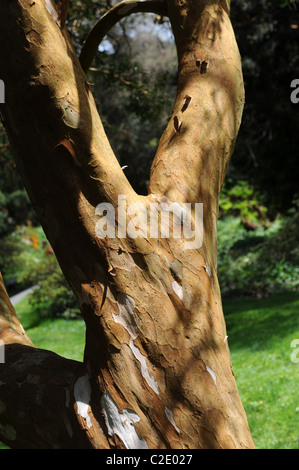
(27, 314)
(254, 323)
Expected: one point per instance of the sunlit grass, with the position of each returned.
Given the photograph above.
(64, 337)
(260, 335)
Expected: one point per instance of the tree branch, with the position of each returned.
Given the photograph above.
(194, 151)
(62, 9)
(39, 386)
(11, 330)
(113, 16)
(45, 402)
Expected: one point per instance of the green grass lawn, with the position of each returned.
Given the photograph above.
(64, 337)
(260, 333)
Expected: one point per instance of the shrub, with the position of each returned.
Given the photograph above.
(242, 200)
(34, 263)
(53, 298)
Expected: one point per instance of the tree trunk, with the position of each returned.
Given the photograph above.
(157, 371)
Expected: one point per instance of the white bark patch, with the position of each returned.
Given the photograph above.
(70, 116)
(126, 305)
(121, 424)
(8, 432)
(212, 374)
(208, 270)
(82, 393)
(52, 10)
(144, 370)
(177, 289)
(170, 417)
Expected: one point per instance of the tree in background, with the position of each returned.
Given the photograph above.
(156, 370)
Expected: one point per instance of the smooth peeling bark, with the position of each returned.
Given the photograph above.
(51, 119)
(197, 144)
(157, 370)
(11, 330)
(195, 149)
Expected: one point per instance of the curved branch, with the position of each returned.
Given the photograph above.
(194, 151)
(113, 16)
